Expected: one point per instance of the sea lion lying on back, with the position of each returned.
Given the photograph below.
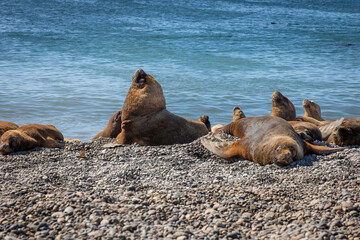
(30, 136)
(282, 107)
(6, 126)
(264, 140)
(312, 109)
(146, 121)
(113, 127)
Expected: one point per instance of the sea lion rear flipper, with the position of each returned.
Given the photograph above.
(328, 129)
(223, 149)
(316, 149)
(51, 143)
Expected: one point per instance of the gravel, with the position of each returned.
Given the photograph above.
(86, 191)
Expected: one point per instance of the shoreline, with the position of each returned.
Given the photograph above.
(182, 191)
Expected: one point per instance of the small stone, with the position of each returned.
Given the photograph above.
(68, 210)
(347, 205)
(104, 222)
(270, 215)
(58, 214)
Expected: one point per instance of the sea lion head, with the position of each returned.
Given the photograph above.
(145, 96)
(348, 133)
(286, 151)
(9, 142)
(312, 109)
(238, 114)
(282, 107)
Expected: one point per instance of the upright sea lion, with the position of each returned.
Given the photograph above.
(113, 127)
(30, 136)
(264, 140)
(282, 107)
(237, 114)
(312, 109)
(6, 126)
(146, 121)
(348, 133)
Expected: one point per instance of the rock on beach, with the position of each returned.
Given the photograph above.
(85, 191)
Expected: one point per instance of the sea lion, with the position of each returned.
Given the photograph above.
(307, 131)
(282, 107)
(6, 126)
(348, 133)
(146, 121)
(264, 140)
(30, 136)
(326, 127)
(312, 109)
(113, 127)
(237, 114)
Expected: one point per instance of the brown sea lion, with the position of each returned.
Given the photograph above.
(30, 136)
(348, 133)
(312, 109)
(6, 126)
(113, 127)
(146, 121)
(282, 107)
(326, 127)
(264, 140)
(307, 131)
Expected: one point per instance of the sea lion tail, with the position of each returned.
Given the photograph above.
(222, 149)
(329, 128)
(316, 149)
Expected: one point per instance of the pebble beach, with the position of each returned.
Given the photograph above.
(88, 191)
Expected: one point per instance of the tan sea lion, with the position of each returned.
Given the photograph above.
(146, 121)
(282, 107)
(113, 127)
(237, 114)
(307, 131)
(30, 136)
(6, 126)
(312, 109)
(348, 133)
(264, 140)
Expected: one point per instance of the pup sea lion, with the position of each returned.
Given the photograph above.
(282, 107)
(146, 121)
(312, 109)
(307, 131)
(6, 126)
(30, 136)
(264, 140)
(113, 127)
(348, 133)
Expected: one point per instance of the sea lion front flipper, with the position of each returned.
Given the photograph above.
(328, 129)
(223, 149)
(316, 149)
(205, 119)
(51, 143)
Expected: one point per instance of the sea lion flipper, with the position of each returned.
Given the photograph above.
(316, 149)
(51, 143)
(223, 149)
(329, 128)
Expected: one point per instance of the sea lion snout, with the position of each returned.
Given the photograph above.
(5, 148)
(139, 77)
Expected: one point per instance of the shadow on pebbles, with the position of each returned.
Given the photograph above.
(86, 191)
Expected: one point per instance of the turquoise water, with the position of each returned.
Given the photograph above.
(70, 63)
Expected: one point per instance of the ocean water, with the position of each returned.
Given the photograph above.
(70, 62)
